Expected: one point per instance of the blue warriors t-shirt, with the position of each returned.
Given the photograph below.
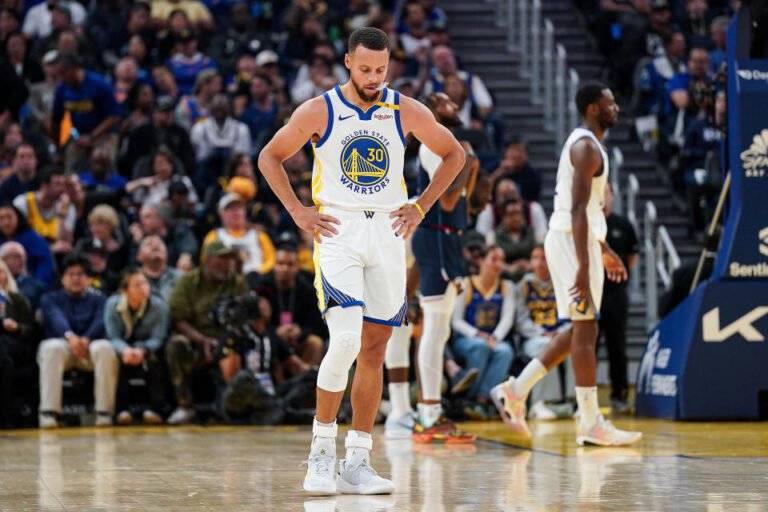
(88, 104)
(484, 311)
(539, 297)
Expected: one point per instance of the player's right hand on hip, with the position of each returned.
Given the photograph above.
(310, 219)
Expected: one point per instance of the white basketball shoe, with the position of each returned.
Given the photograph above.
(356, 476)
(604, 433)
(511, 407)
(321, 464)
(399, 426)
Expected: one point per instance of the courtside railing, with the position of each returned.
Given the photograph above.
(544, 62)
(553, 86)
(661, 260)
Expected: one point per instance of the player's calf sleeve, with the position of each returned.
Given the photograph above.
(345, 326)
(398, 347)
(437, 330)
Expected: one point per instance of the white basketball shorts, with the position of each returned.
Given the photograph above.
(560, 252)
(363, 265)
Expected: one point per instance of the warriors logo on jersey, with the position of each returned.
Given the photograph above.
(365, 162)
(359, 159)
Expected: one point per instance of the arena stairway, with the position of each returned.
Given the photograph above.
(481, 48)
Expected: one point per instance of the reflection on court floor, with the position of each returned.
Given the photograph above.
(678, 466)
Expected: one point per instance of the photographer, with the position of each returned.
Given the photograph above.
(193, 345)
(254, 361)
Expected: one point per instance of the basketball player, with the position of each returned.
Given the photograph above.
(578, 260)
(360, 221)
(439, 261)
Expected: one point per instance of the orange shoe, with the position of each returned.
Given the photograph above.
(443, 431)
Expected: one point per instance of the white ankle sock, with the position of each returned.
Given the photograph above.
(429, 413)
(399, 398)
(531, 374)
(586, 397)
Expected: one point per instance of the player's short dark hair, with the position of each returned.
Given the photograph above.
(76, 259)
(589, 93)
(368, 37)
(49, 171)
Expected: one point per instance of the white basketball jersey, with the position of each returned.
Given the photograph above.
(359, 160)
(561, 216)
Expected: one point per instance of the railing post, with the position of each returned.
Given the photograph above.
(633, 187)
(512, 44)
(549, 75)
(651, 282)
(617, 164)
(522, 22)
(560, 98)
(536, 53)
(573, 113)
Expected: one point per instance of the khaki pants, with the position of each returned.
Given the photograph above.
(55, 357)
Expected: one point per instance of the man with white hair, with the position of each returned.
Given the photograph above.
(15, 256)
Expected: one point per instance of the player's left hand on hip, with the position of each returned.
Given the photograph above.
(407, 218)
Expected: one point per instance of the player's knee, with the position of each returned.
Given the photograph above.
(372, 354)
(342, 352)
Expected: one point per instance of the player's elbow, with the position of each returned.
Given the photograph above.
(460, 157)
(265, 159)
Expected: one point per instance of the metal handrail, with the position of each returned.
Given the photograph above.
(617, 166)
(633, 189)
(512, 45)
(649, 250)
(661, 260)
(522, 22)
(667, 258)
(560, 101)
(549, 74)
(573, 86)
(536, 52)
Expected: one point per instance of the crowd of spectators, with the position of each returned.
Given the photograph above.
(140, 243)
(666, 60)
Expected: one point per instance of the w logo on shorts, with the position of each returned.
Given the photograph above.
(368, 214)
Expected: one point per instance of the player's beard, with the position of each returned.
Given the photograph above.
(607, 120)
(368, 98)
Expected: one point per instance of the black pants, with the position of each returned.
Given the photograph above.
(613, 326)
(131, 394)
(14, 354)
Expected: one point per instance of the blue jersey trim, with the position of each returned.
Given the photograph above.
(363, 115)
(381, 322)
(397, 119)
(344, 306)
(329, 126)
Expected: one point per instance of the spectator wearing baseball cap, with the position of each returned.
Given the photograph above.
(196, 336)
(256, 248)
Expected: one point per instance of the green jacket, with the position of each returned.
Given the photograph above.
(194, 295)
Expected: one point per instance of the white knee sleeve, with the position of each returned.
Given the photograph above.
(437, 330)
(398, 348)
(345, 326)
